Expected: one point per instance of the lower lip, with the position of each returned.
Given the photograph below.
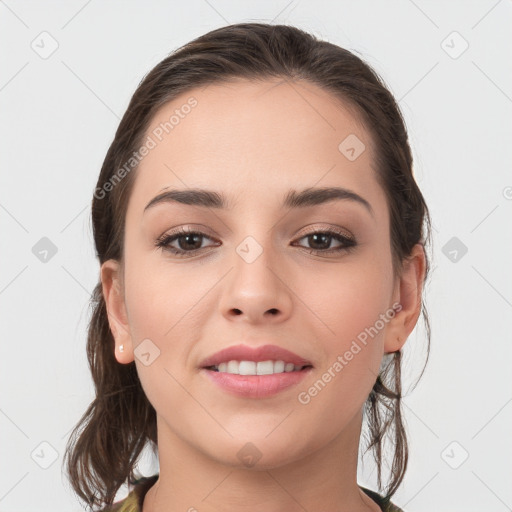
(256, 386)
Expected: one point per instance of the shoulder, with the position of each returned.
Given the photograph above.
(133, 502)
(128, 504)
(385, 504)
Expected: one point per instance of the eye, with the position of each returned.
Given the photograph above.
(321, 241)
(189, 242)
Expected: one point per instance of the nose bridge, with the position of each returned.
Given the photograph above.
(253, 264)
(254, 252)
(255, 287)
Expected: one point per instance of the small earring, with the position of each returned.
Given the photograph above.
(121, 348)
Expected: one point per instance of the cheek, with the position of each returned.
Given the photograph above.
(164, 307)
(349, 304)
(348, 299)
(350, 339)
(169, 304)
(160, 299)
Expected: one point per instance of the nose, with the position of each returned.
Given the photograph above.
(257, 291)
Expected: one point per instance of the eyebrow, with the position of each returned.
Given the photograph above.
(293, 199)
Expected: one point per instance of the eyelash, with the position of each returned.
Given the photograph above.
(164, 241)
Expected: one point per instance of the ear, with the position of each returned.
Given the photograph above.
(113, 292)
(407, 296)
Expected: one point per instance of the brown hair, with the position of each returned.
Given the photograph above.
(104, 447)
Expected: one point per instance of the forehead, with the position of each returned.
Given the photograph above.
(267, 134)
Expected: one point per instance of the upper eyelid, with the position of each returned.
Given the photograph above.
(205, 232)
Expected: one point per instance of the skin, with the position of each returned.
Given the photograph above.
(254, 142)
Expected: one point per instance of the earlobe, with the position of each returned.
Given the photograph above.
(409, 294)
(112, 287)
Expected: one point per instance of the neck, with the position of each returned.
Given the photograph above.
(324, 479)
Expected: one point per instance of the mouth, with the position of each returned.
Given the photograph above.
(251, 368)
(262, 360)
(249, 384)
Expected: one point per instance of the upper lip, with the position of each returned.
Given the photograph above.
(247, 353)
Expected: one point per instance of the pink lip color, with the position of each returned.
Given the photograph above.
(256, 386)
(248, 353)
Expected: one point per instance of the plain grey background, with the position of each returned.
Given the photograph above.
(68, 72)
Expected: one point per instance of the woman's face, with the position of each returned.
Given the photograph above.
(257, 275)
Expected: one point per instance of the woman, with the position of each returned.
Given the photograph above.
(262, 248)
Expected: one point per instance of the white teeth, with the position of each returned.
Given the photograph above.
(232, 367)
(289, 367)
(259, 368)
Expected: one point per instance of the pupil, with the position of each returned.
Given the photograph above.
(322, 236)
(187, 238)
